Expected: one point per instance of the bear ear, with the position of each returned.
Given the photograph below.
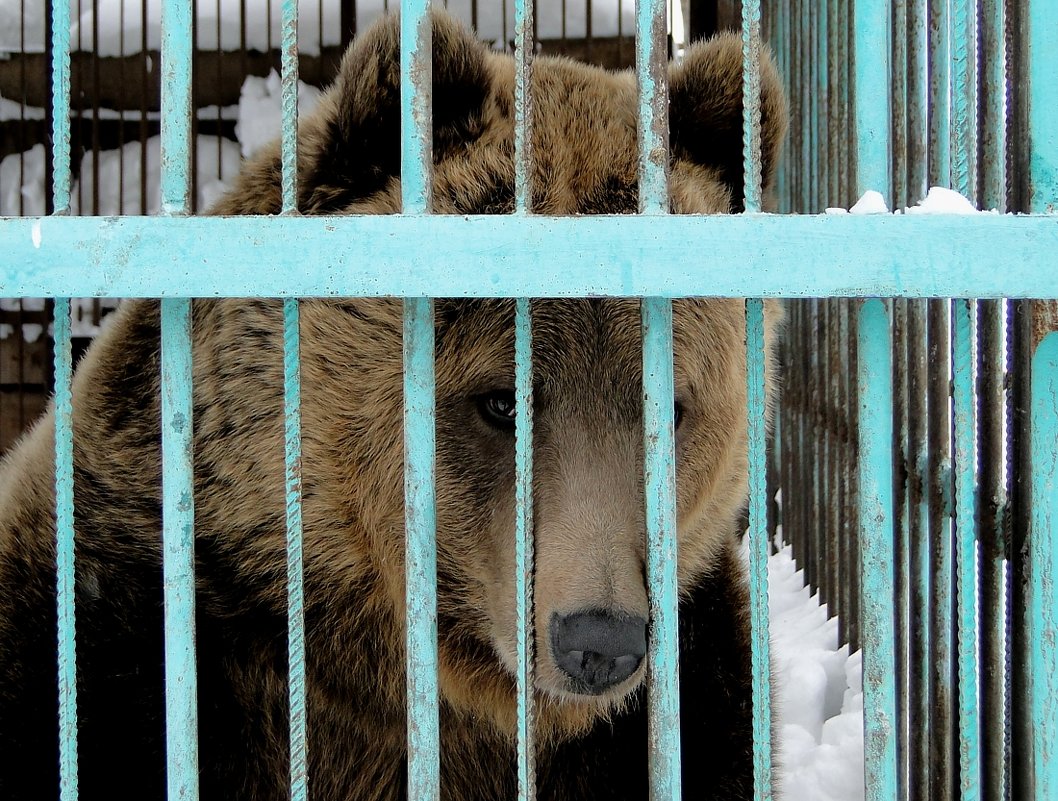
(360, 150)
(705, 110)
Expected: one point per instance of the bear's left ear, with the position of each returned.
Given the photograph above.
(360, 149)
(705, 110)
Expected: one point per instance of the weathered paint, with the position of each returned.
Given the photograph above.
(507, 256)
(416, 122)
(758, 550)
(64, 554)
(751, 119)
(1043, 580)
(523, 104)
(993, 132)
(651, 74)
(524, 547)
(178, 553)
(176, 106)
(60, 106)
(964, 107)
(420, 522)
(871, 96)
(875, 435)
(1042, 46)
(659, 479)
(939, 72)
(969, 730)
(295, 572)
(917, 92)
(289, 69)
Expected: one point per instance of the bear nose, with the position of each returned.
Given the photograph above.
(597, 649)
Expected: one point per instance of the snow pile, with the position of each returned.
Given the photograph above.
(818, 695)
(260, 113)
(939, 200)
(22, 183)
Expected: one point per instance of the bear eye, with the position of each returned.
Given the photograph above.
(498, 409)
(677, 415)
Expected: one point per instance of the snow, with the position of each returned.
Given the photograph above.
(260, 114)
(25, 196)
(943, 201)
(872, 202)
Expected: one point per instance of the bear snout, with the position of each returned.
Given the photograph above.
(597, 650)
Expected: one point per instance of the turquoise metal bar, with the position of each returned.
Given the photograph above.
(758, 551)
(295, 572)
(1043, 581)
(60, 106)
(420, 516)
(176, 106)
(523, 107)
(875, 434)
(968, 719)
(751, 119)
(899, 95)
(849, 256)
(993, 107)
(289, 70)
(872, 97)
(659, 473)
(917, 92)
(64, 554)
(524, 545)
(178, 543)
(964, 108)
(939, 72)
(651, 74)
(1042, 45)
(416, 121)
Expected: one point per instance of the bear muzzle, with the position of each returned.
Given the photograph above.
(597, 650)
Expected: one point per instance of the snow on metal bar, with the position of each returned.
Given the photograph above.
(964, 97)
(652, 73)
(416, 90)
(758, 550)
(523, 104)
(178, 559)
(503, 256)
(1042, 44)
(60, 105)
(289, 68)
(64, 554)
(1043, 579)
(878, 631)
(295, 573)
(872, 97)
(969, 732)
(524, 546)
(420, 522)
(751, 103)
(176, 106)
(659, 473)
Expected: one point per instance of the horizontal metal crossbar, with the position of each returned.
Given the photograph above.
(446, 256)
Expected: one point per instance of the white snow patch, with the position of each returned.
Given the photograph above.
(260, 113)
(34, 235)
(22, 183)
(836, 210)
(943, 201)
(872, 202)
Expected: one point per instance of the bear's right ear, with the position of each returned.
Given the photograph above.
(360, 151)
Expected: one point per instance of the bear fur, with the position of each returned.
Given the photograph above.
(588, 488)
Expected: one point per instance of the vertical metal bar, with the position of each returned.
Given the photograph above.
(939, 173)
(900, 101)
(875, 434)
(901, 535)
(856, 542)
(964, 98)
(833, 448)
(751, 119)
(523, 125)
(289, 70)
(420, 520)
(758, 549)
(651, 72)
(176, 106)
(844, 465)
(659, 473)
(993, 80)
(60, 106)
(969, 742)
(524, 546)
(872, 97)
(178, 543)
(1042, 57)
(1043, 584)
(295, 572)
(834, 67)
(416, 80)
(64, 551)
(917, 106)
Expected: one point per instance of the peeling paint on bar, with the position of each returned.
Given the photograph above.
(506, 256)
(289, 69)
(964, 107)
(659, 478)
(416, 123)
(1042, 44)
(295, 572)
(178, 551)
(420, 516)
(758, 550)
(1043, 580)
(751, 119)
(875, 379)
(652, 73)
(523, 104)
(64, 554)
(176, 106)
(524, 545)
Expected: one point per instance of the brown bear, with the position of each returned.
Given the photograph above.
(591, 597)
